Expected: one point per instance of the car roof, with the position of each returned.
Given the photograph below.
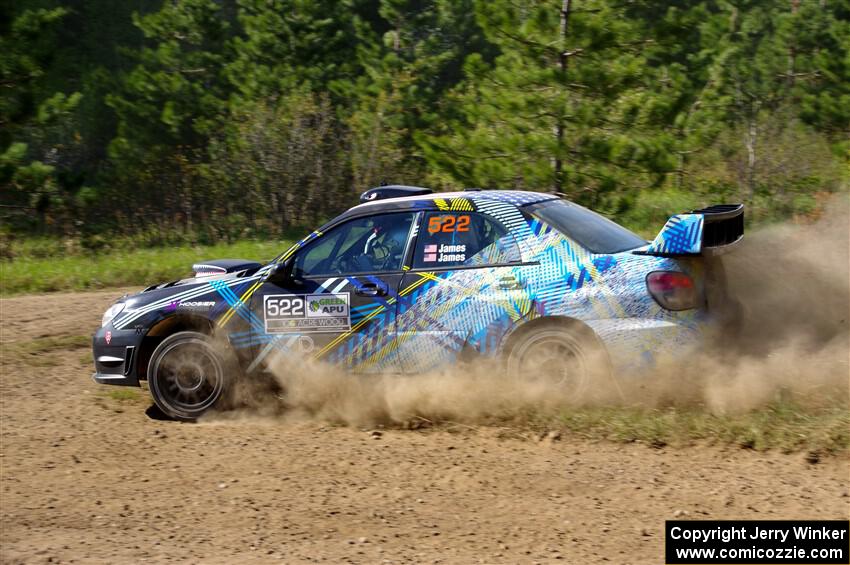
(430, 201)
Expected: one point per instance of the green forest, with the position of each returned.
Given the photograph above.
(206, 121)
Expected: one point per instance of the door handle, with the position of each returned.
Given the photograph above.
(371, 289)
(510, 283)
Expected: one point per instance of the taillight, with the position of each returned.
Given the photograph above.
(672, 290)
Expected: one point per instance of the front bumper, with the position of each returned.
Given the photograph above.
(116, 355)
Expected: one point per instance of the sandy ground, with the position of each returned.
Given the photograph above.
(89, 477)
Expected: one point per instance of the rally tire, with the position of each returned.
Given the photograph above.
(188, 375)
(566, 358)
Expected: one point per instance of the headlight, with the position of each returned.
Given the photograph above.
(113, 311)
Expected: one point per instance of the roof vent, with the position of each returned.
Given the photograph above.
(392, 191)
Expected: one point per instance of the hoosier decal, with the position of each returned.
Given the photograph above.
(284, 313)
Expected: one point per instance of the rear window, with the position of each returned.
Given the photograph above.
(590, 230)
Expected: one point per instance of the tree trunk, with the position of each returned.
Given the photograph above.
(792, 48)
(563, 60)
(750, 141)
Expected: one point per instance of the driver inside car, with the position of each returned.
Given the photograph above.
(383, 249)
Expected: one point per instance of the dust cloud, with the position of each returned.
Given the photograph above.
(792, 285)
(786, 337)
(466, 393)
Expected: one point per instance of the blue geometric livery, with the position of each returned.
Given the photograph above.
(681, 235)
(411, 280)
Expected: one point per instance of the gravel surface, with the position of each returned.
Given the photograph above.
(88, 476)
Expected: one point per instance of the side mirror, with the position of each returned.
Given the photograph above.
(281, 274)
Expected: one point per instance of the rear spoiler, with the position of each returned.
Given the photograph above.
(709, 231)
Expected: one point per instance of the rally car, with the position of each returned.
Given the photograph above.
(410, 280)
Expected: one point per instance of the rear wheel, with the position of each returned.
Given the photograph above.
(566, 358)
(187, 375)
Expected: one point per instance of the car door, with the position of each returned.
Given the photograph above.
(337, 299)
(464, 290)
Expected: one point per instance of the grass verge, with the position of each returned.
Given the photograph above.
(784, 425)
(48, 344)
(42, 351)
(120, 268)
(124, 394)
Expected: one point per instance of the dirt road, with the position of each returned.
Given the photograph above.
(87, 476)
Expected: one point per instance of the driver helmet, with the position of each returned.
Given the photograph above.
(392, 237)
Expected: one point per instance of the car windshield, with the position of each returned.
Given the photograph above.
(590, 230)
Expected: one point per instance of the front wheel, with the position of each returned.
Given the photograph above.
(187, 375)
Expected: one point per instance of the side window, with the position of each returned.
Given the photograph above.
(363, 245)
(463, 239)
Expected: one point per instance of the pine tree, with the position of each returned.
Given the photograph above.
(168, 106)
(30, 115)
(550, 112)
(772, 63)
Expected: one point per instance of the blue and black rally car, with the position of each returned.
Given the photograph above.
(410, 280)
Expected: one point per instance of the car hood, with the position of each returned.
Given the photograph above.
(205, 272)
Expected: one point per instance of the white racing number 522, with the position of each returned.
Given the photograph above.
(287, 313)
(285, 306)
